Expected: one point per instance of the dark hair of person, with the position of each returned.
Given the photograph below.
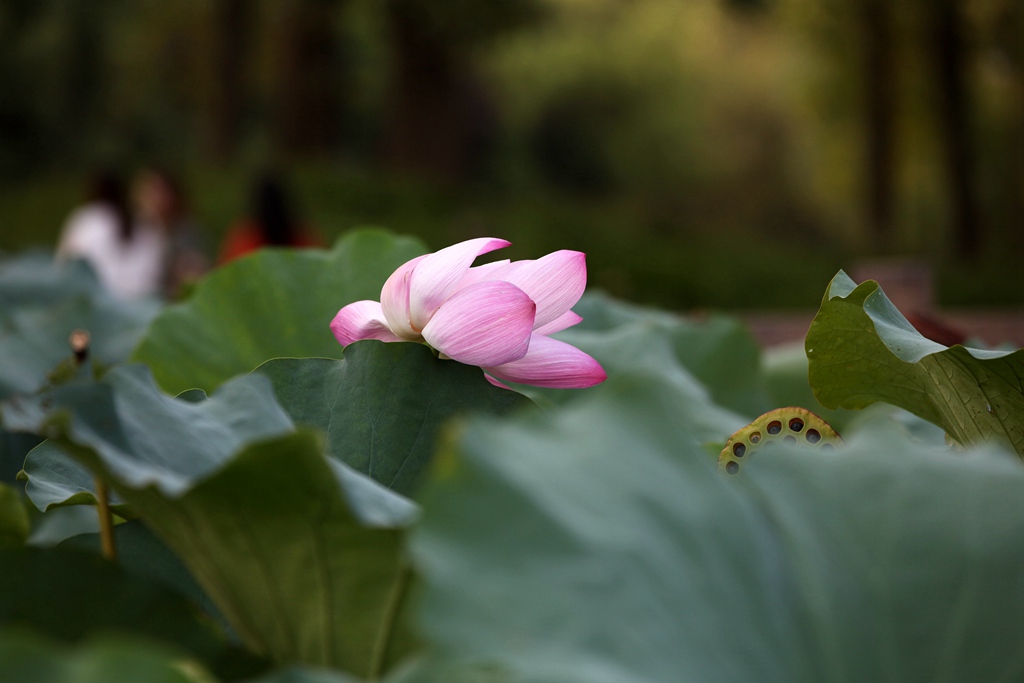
(272, 212)
(107, 188)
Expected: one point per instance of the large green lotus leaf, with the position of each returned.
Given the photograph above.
(58, 525)
(302, 554)
(28, 658)
(382, 406)
(71, 595)
(600, 545)
(42, 302)
(14, 522)
(276, 303)
(718, 351)
(142, 554)
(301, 576)
(861, 350)
(36, 280)
(646, 351)
(305, 675)
(34, 341)
(785, 373)
(148, 437)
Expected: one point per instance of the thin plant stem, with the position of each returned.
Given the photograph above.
(106, 521)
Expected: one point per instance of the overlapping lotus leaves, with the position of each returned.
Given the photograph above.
(276, 303)
(645, 349)
(717, 350)
(302, 554)
(602, 545)
(148, 437)
(71, 595)
(861, 350)
(42, 303)
(382, 406)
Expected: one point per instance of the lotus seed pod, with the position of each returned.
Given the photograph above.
(793, 426)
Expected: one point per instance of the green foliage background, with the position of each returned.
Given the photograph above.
(705, 154)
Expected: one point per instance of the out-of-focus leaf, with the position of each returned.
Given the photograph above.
(147, 432)
(601, 545)
(14, 522)
(785, 373)
(717, 350)
(69, 595)
(34, 341)
(636, 343)
(382, 406)
(35, 280)
(56, 479)
(276, 303)
(273, 540)
(142, 554)
(62, 523)
(388, 435)
(13, 449)
(862, 350)
(302, 555)
(304, 675)
(27, 658)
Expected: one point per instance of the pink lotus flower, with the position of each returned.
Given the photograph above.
(497, 316)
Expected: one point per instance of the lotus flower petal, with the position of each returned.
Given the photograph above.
(555, 282)
(562, 322)
(437, 276)
(496, 316)
(394, 299)
(489, 323)
(551, 363)
(361, 320)
(488, 271)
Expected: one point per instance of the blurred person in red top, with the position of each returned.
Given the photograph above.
(270, 223)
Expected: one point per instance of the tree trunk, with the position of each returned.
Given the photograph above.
(232, 28)
(424, 128)
(308, 87)
(1011, 41)
(949, 57)
(880, 86)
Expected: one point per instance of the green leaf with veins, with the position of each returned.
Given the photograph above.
(303, 555)
(861, 350)
(383, 405)
(599, 544)
(380, 408)
(275, 303)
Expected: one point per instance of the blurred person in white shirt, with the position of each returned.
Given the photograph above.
(128, 256)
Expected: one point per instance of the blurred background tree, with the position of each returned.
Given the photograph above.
(709, 152)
